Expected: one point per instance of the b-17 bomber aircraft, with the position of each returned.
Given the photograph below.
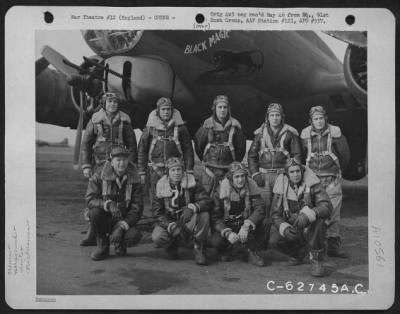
(254, 68)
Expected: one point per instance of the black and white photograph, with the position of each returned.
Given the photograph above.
(203, 162)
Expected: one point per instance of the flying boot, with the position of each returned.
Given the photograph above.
(200, 252)
(102, 250)
(225, 254)
(120, 249)
(298, 259)
(172, 251)
(254, 252)
(90, 237)
(317, 269)
(255, 258)
(335, 249)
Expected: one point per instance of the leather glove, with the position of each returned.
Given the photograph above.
(290, 233)
(142, 179)
(186, 215)
(259, 178)
(87, 172)
(301, 221)
(114, 210)
(244, 232)
(117, 235)
(233, 237)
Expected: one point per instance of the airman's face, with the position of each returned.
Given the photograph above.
(275, 118)
(221, 111)
(175, 174)
(111, 105)
(294, 173)
(119, 164)
(318, 121)
(165, 113)
(239, 180)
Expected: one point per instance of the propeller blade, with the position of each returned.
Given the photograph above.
(62, 64)
(78, 139)
(57, 60)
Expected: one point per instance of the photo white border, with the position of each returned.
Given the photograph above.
(20, 165)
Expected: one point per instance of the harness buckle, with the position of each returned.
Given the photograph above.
(165, 138)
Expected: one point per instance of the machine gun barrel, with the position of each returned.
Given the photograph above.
(98, 65)
(80, 69)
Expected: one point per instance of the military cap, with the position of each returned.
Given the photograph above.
(119, 151)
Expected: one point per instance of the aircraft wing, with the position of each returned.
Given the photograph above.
(358, 39)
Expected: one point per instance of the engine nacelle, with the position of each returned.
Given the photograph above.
(355, 72)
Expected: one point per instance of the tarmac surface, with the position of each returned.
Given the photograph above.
(65, 268)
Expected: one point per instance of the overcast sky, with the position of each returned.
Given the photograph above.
(62, 41)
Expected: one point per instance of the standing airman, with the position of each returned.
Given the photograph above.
(274, 142)
(219, 142)
(164, 136)
(327, 155)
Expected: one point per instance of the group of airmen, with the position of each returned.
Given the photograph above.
(288, 198)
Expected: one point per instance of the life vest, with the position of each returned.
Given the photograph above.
(333, 132)
(266, 142)
(282, 187)
(212, 126)
(155, 125)
(100, 118)
(228, 194)
(108, 176)
(169, 196)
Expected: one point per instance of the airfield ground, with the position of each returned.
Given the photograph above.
(64, 268)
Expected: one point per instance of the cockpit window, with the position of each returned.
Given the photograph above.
(106, 43)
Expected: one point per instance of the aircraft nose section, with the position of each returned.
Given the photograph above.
(107, 43)
(145, 79)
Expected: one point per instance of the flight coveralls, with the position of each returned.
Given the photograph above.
(161, 141)
(289, 202)
(218, 146)
(268, 154)
(127, 192)
(168, 204)
(102, 134)
(231, 209)
(328, 154)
